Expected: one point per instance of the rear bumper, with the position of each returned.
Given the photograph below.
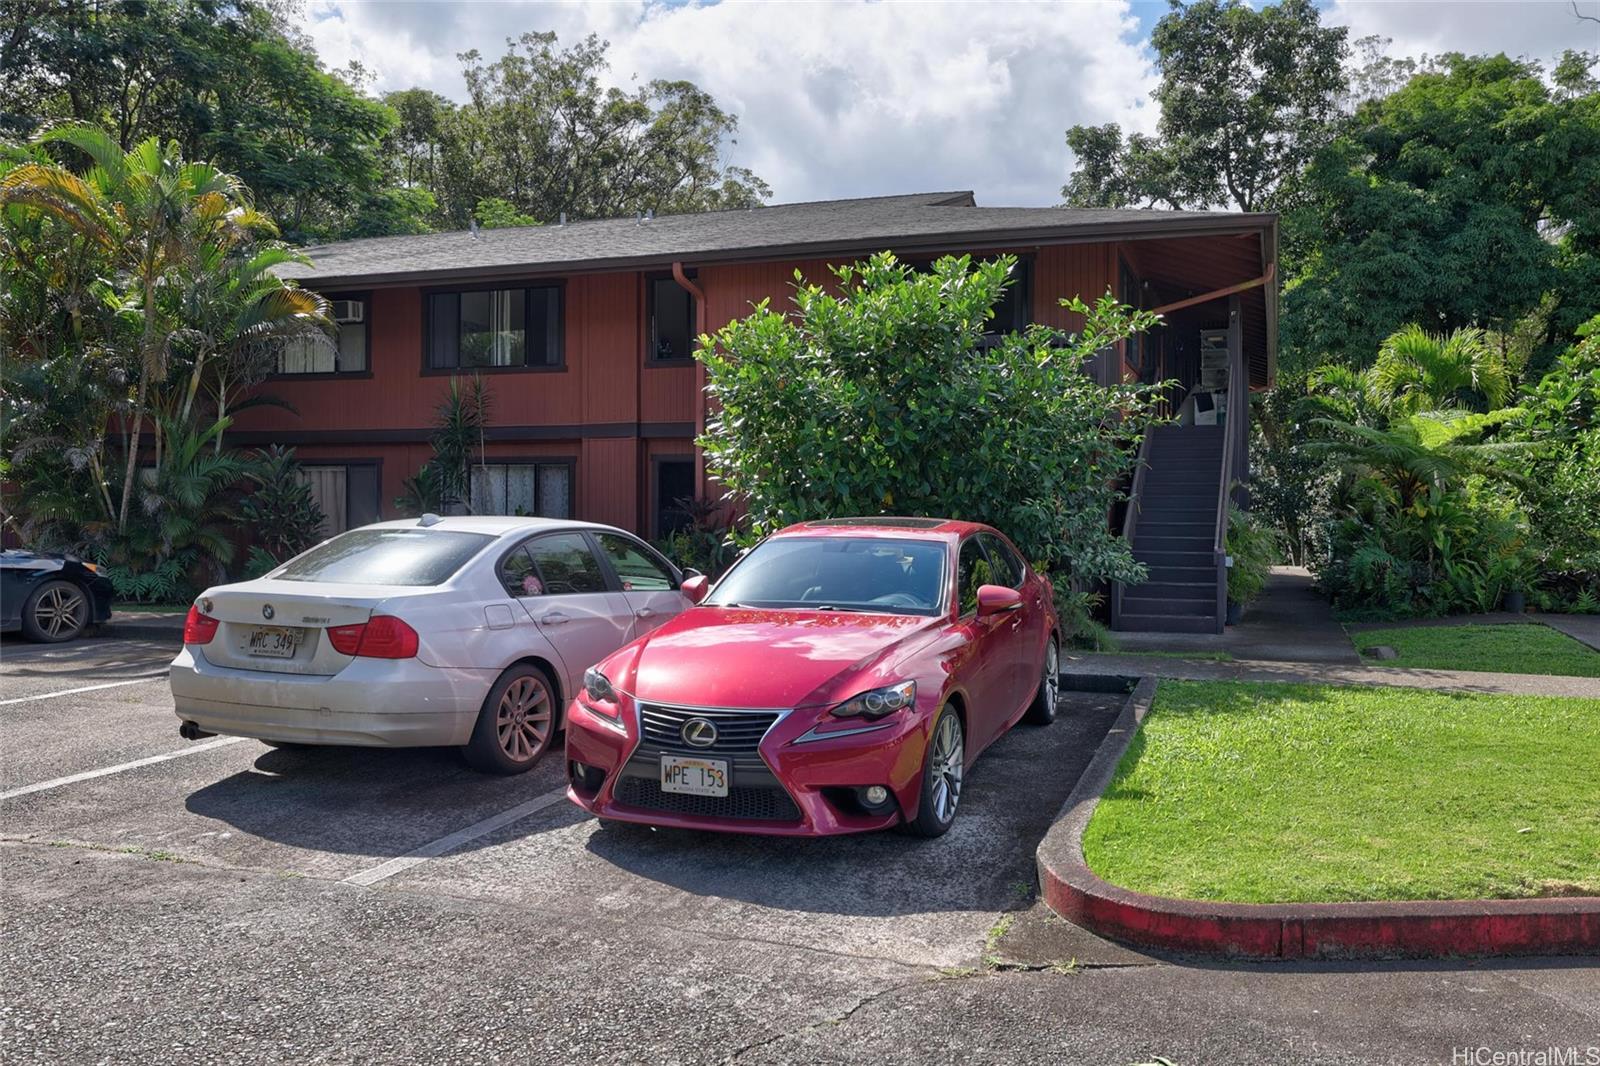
(812, 775)
(372, 702)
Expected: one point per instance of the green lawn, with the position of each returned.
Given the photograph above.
(1264, 793)
(1507, 649)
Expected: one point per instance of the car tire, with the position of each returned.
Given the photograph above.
(1042, 711)
(515, 724)
(57, 611)
(943, 769)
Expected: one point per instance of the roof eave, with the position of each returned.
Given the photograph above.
(1078, 233)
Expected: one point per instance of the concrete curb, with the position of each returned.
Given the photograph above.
(1422, 929)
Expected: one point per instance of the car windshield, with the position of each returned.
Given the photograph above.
(878, 574)
(385, 557)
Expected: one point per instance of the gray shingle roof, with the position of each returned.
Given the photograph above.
(792, 230)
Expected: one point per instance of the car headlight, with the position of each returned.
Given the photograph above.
(875, 703)
(597, 687)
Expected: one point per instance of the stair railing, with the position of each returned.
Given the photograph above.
(1130, 519)
(1235, 417)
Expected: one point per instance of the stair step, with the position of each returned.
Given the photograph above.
(1199, 542)
(1180, 608)
(1181, 575)
(1176, 488)
(1173, 590)
(1167, 623)
(1188, 561)
(1162, 525)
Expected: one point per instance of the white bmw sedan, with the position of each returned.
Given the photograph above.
(466, 631)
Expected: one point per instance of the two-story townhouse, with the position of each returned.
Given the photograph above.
(585, 333)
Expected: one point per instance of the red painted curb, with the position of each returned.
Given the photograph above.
(1421, 929)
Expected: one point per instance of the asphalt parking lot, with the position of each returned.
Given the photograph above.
(224, 901)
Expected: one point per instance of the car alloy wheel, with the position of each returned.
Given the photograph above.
(1042, 711)
(523, 720)
(949, 758)
(60, 612)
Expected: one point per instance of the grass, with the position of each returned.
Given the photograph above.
(1504, 649)
(1260, 793)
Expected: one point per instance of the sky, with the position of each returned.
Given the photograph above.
(856, 98)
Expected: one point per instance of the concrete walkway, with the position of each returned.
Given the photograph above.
(1332, 674)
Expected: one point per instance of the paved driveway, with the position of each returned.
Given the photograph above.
(224, 901)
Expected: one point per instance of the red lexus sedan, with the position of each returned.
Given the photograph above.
(842, 677)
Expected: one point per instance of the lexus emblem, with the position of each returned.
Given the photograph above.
(266, 611)
(698, 733)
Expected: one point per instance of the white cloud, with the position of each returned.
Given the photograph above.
(834, 99)
(856, 98)
(1537, 29)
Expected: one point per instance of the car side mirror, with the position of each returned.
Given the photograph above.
(997, 599)
(696, 588)
(689, 572)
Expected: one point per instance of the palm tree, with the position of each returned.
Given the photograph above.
(1421, 371)
(157, 216)
(234, 308)
(1418, 453)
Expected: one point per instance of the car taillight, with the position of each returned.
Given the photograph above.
(199, 628)
(382, 636)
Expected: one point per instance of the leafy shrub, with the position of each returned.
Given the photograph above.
(283, 515)
(888, 398)
(707, 543)
(1254, 548)
(166, 582)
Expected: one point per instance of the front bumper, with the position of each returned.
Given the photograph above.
(390, 703)
(813, 779)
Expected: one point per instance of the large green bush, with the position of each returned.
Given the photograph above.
(884, 395)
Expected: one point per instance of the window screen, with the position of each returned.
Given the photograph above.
(542, 489)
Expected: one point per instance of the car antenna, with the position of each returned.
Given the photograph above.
(429, 519)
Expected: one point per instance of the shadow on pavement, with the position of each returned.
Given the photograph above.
(985, 862)
(365, 801)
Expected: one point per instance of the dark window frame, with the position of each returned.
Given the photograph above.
(650, 280)
(377, 468)
(1022, 285)
(527, 286)
(365, 296)
(568, 461)
(655, 500)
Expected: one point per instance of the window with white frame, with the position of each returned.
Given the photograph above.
(541, 489)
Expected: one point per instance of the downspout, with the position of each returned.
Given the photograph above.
(699, 375)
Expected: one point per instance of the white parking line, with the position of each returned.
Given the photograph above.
(85, 688)
(434, 848)
(87, 775)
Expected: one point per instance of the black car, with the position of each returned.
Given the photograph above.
(51, 597)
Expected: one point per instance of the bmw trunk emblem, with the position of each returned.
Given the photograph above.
(267, 611)
(698, 733)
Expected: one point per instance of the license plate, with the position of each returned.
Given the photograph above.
(694, 777)
(274, 642)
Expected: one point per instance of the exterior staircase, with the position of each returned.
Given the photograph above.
(1174, 534)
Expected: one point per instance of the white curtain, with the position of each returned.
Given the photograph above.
(328, 489)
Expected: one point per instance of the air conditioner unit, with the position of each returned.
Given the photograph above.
(348, 310)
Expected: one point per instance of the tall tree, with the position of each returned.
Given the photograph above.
(1246, 97)
(1469, 197)
(542, 132)
(227, 80)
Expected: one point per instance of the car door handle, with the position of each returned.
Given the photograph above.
(553, 618)
(645, 612)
